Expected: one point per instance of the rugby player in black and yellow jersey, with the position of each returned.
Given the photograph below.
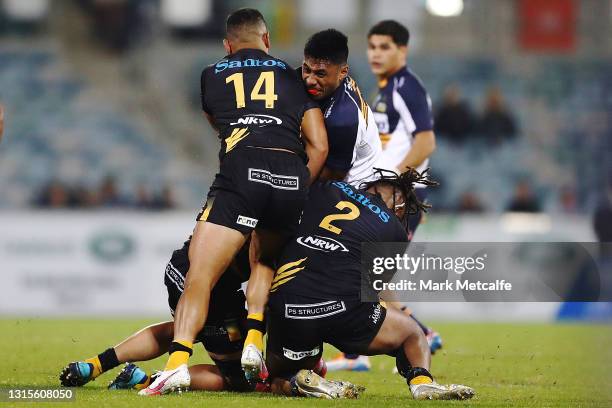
(315, 295)
(222, 336)
(261, 112)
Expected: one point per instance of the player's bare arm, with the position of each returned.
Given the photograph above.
(330, 174)
(423, 146)
(315, 138)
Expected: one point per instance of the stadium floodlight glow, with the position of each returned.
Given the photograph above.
(445, 8)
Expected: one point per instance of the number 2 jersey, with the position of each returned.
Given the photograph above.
(323, 260)
(256, 100)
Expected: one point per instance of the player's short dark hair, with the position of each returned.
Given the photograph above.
(242, 20)
(330, 45)
(398, 32)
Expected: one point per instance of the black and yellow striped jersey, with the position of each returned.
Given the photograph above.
(323, 260)
(255, 100)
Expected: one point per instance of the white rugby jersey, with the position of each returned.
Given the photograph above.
(354, 144)
(402, 109)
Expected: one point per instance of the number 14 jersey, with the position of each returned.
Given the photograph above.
(256, 100)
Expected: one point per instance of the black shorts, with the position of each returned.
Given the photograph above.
(225, 327)
(257, 188)
(298, 326)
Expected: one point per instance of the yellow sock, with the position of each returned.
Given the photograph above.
(178, 358)
(254, 336)
(97, 366)
(421, 379)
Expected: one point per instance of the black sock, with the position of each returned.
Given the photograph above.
(108, 359)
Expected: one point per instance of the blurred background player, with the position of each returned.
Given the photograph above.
(402, 107)
(260, 188)
(354, 145)
(402, 110)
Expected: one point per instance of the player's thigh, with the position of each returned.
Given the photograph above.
(354, 328)
(395, 329)
(211, 251)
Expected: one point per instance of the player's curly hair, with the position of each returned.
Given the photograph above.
(405, 184)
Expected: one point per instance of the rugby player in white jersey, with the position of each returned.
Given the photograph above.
(354, 144)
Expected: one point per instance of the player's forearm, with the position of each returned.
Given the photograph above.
(315, 138)
(316, 160)
(424, 145)
(329, 174)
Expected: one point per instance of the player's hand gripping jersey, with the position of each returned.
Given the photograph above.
(255, 100)
(402, 109)
(323, 260)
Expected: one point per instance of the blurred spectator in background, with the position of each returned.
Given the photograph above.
(165, 200)
(143, 198)
(524, 199)
(497, 123)
(602, 220)
(1, 121)
(470, 203)
(83, 198)
(53, 195)
(108, 195)
(568, 200)
(454, 119)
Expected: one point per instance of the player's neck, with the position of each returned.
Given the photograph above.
(391, 72)
(249, 45)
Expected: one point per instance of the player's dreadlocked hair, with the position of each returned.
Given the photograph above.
(405, 184)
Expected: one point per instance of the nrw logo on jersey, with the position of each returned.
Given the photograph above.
(320, 243)
(257, 120)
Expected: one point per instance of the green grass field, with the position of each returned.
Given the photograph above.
(522, 365)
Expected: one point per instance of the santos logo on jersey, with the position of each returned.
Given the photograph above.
(249, 62)
(321, 243)
(257, 120)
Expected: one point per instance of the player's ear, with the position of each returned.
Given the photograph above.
(265, 37)
(227, 46)
(344, 70)
(403, 51)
